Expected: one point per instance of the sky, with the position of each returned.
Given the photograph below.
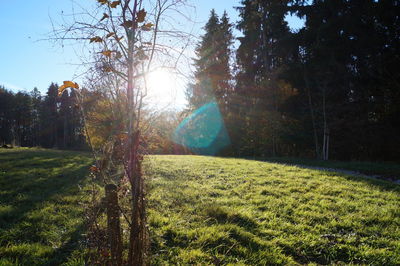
(27, 60)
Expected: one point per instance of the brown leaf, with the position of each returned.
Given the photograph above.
(102, 1)
(104, 16)
(96, 39)
(94, 169)
(119, 38)
(147, 26)
(114, 4)
(108, 69)
(118, 55)
(128, 24)
(110, 34)
(141, 15)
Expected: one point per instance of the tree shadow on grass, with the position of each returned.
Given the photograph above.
(29, 180)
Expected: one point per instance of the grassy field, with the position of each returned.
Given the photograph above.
(241, 212)
(40, 206)
(203, 210)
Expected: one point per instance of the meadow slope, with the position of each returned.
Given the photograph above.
(205, 210)
(202, 211)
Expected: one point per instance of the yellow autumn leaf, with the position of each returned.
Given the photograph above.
(61, 89)
(67, 84)
(141, 15)
(114, 4)
(107, 53)
(96, 39)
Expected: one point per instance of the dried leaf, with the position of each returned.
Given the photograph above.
(141, 55)
(102, 1)
(108, 69)
(119, 38)
(107, 53)
(96, 39)
(94, 169)
(118, 55)
(104, 16)
(129, 24)
(147, 26)
(110, 34)
(141, 15)
(114, 4)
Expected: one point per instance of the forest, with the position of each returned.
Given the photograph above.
(329, 90)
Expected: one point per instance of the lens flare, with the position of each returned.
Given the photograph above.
(204, 131)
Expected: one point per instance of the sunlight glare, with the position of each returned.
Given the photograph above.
(162, 87)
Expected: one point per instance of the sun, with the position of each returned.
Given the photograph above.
(162, 86)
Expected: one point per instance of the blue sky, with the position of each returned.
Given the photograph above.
(27, 62)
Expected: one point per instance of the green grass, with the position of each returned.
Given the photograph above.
(204, 210)
(40, 206)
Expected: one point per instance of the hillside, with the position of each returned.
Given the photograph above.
(213, 210)
(203, 210)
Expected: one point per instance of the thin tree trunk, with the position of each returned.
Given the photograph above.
(324, 150)
(327, 146)
(312, 114)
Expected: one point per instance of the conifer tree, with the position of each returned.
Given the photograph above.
(212, 78)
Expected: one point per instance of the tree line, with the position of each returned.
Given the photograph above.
(30, 119)
(328, 90)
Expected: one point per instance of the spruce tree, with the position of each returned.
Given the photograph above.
(212, 78)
